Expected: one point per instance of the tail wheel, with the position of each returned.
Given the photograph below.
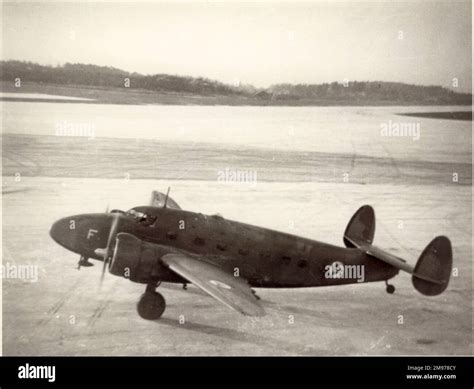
(151, 305)
(390, 289)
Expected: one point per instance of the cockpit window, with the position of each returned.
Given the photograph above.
(118, 211)
(141, 217)
(135, 214)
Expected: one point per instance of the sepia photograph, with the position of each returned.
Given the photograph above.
(236, 178)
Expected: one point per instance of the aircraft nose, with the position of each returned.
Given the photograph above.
(82, 234)
(59, 232)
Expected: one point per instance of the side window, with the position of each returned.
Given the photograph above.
(171, 235)
(243, 251)
(221, 246)
(266, 255)
(148, 220)
(199, 241)
(302, 263)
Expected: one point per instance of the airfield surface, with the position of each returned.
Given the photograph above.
(314, 168)
(65, 312)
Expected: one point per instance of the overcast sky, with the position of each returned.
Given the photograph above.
(419, 42)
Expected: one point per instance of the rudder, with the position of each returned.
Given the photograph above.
(433, 269)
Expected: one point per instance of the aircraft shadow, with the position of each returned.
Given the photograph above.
(276, 346)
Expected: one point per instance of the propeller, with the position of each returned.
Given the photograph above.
(106, 253)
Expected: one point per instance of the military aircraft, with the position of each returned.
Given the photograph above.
(163, 243)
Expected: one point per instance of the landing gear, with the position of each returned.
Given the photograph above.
(389, 288)
(151, 304)
(83, 262)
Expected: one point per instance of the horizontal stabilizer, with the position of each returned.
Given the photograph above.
(391, 259)
(431, 274)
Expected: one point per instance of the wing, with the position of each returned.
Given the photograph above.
(229, 290)
(158, 200)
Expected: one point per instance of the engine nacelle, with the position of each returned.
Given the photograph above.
(137, 260)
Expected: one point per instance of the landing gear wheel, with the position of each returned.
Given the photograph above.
(151, 305)
(390, 289)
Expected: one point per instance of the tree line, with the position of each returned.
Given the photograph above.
(354, 91)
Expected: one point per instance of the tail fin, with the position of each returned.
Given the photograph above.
(161, 200)
(361, 228)
(433, 269)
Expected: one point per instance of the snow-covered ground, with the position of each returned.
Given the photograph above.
(65, 313)
(39, 96)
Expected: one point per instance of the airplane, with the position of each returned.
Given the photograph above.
(161, 242)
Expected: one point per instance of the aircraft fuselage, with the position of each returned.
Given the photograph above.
(266, 258)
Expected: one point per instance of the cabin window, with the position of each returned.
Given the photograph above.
(286, 259)
(221, 246)
(171, 235)
(302, 263)
(265, 255)
(199, 241)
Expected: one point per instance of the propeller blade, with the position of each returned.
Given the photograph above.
(113, 230)
(106, 252)
(102, 275)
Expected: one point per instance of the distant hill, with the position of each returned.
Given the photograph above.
(379, 91)
(105, 76)
(215, 92)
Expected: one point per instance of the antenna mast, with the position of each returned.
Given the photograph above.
(166, 198)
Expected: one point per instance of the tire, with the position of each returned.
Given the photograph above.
(151, 306)
(390, 289)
